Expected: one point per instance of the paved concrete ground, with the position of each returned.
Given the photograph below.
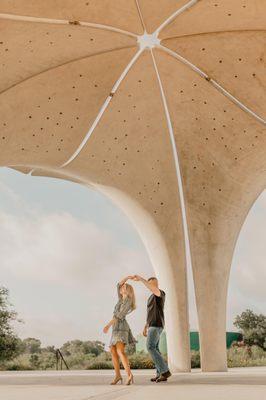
(240, 383)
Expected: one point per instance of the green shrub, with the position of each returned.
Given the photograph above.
(195, 359)
(237, 357)
(95, 364)
(77, 361)
(47, 360)
(141, 361)
(137, 361)
(18, 367)
(103, 361)
(246, 356)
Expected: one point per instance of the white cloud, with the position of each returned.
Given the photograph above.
(11, 194)
(60, 248)
(71, 267)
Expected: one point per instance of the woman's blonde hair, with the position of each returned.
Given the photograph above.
(131, 295)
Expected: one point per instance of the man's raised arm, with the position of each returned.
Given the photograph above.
(151, 284)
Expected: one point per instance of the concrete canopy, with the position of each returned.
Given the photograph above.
(160, 105)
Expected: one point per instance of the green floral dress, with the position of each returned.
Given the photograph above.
(121, 330)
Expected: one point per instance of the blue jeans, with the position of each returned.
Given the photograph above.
(153, 340)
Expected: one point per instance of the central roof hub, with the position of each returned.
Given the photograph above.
(148, 40)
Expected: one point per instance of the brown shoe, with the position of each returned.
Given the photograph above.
(167, 374)
(155, 378)
(163, 377)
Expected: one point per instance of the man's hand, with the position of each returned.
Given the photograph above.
(145, 331)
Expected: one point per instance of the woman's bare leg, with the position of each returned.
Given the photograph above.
(120, 347)
(115, 360)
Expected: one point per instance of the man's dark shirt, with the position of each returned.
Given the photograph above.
(155, 310)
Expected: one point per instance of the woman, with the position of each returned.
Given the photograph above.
(122, 335)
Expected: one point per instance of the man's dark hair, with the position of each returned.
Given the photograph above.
(152, 278)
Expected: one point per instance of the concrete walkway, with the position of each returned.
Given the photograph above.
(240, 383)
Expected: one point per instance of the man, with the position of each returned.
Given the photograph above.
(154, 326)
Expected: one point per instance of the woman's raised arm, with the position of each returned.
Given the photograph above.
(125, 280)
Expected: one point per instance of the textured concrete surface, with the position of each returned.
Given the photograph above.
(161, 106)
(80, 385)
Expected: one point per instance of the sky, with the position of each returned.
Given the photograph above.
(64, 247)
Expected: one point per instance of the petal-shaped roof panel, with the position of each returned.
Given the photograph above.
(122, 14)
(156, 12)
(220, 146)
(218, 16)
(130, 148)
(36, 47)
(56, 109)
(236, 60)
(221, 153)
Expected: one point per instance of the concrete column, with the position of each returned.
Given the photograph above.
(172, 277)
(212, 252)
(211, 294)
(166, 250)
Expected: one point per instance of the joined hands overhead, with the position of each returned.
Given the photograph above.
(135, 278)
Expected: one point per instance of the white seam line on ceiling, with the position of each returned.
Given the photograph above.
(183, 60)
(140, 15)
(103, 108)
(213, 83)
(178, 173)
(175, 14)
(73, 60)
(65, 22)
(237, 102)
(189, 35)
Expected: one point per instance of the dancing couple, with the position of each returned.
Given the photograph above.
(121, 332)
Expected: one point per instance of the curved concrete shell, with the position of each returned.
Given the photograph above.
(160, 105)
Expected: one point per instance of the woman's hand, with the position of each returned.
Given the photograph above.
(108, 326)
(121, 283)
(145, 331)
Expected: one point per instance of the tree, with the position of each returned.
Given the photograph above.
(49, 349)
(75, 347)
(35, 361)
(9, 342)
(253, 328)
(93, 347)
(31, 345)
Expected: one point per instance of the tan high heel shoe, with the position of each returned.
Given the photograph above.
(116, 380)
(130, 380)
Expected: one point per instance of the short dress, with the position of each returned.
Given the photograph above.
(121, 331)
